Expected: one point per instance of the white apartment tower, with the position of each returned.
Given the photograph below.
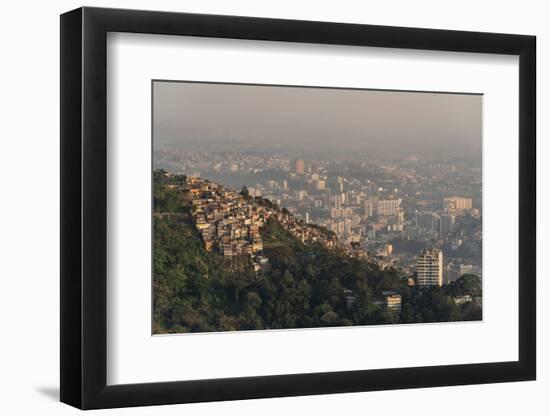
(429, 268)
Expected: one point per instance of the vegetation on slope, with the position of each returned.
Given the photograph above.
(198, 291)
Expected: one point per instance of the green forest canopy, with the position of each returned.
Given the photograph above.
(198, 291)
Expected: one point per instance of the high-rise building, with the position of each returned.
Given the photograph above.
(393, 302)
(300, 194)
(370, 207)
(457, 204)
(429, 268)
(388, 207)
(424, 220)
(319, 184)
(299, 166)
(436, 222)
(336, 184)
(337, 212)
(447, 223)
(442, 223)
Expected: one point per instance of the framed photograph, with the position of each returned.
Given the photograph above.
(256, 208)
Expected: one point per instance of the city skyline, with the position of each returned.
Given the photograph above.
(365, 205)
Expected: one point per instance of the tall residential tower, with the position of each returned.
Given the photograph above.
(429, 268)
(299, 166)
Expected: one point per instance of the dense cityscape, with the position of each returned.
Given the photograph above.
(389, 211)
(282, 207)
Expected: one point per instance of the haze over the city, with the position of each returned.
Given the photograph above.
(305, 120)
(345, 207)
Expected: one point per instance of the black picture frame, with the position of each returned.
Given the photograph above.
(84, 207)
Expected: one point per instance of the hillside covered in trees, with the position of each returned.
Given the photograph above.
(307, 285)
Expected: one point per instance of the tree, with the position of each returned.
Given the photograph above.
(467, 284)
(244, 193)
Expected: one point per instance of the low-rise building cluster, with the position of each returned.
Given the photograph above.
(230, 224)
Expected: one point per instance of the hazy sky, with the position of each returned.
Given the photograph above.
(325, 119)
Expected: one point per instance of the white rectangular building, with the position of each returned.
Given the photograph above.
(429, 268)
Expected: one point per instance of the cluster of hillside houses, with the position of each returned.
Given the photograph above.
(230, 224)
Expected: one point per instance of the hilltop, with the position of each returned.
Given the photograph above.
(226, 261)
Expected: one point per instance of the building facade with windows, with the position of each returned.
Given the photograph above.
(429, 268)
